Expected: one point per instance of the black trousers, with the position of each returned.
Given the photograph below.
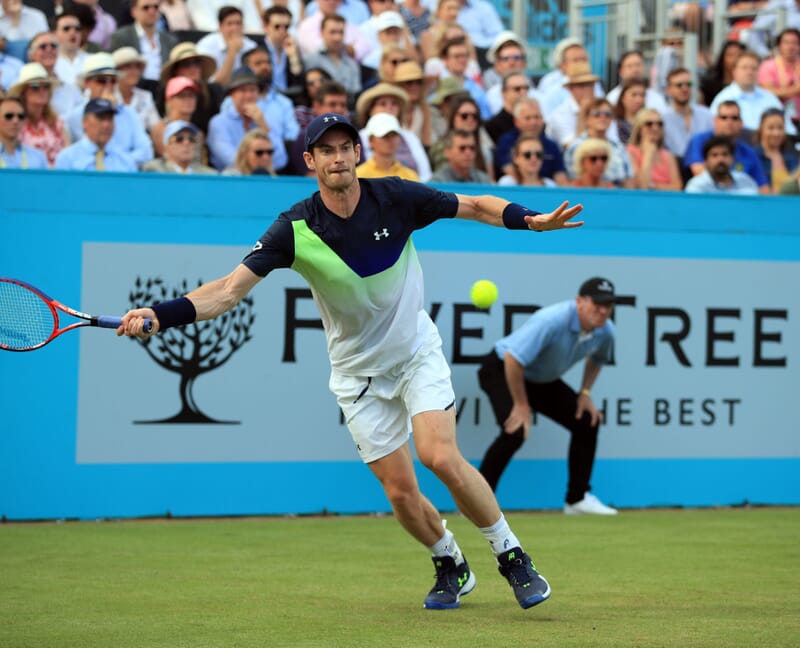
(555, 400)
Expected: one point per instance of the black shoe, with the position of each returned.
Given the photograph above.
(529, 586)
(451, 582)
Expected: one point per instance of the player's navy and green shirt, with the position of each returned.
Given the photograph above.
(363, 271)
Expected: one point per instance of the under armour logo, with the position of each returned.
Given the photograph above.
(331, 118)
(378, 235)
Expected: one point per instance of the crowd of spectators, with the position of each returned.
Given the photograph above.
(439, 90)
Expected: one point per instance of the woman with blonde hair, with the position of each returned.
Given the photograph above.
(254, 155)
(43, 129)
(590, 160)
(526, 161)
(654, 167)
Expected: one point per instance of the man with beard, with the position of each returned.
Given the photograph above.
(718, 176)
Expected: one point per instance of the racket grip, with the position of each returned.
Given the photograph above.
(107, 321)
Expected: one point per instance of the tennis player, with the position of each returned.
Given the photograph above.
(351, 241)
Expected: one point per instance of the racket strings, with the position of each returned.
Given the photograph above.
(25, 318)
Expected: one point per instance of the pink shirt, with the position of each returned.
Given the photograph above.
(48, 140)
(659, 172)
(778, 74)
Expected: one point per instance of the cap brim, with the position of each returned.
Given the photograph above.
(603, 299)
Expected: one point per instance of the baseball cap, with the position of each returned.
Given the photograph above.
(175, 127)
(322, 124)
(178, 84)
(389, 19)
(600, 290)
(381, 124)
(99, 107)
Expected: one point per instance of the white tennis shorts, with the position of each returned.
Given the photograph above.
(378, 409)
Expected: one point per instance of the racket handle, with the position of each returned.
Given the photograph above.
(107, 321)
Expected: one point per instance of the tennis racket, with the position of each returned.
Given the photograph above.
(29, 318)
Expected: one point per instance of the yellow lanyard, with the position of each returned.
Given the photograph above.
(23, 159)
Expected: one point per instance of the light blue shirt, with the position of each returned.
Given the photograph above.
(751, 104)
(480, 20)
(677, 136)
(9, 70)
(129, 134)
(479, 95)
(280, 63)
(551, 341)
(278, 112)
(353, 11)
(80, 156)
(743, 184)
(23, 157)
(225, 132)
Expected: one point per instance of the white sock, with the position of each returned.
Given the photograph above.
(500, 536)
(447, 546)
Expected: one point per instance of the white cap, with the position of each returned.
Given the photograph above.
(503, 37)
(389, 19)
(381, 124)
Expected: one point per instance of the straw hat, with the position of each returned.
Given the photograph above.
(408, 71)
(127, 55)
(30, 73)
(369, 96)
(183, 52)
(448, 87)
(580, 73)
(98, 64)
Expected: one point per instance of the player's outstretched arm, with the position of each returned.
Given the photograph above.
(502, 213)
(205, 302)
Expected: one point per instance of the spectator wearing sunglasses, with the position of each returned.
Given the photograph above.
(287, 65)
(590, 162)
(683, 118)
(186, 61)
(464, 115)
(145, 37)
(43, 128)
(67, 29)
(43, 49)
(13, 153)
(526, 164)
(254, 155)
(460, 150)
(654, 167)
(180, 143)
(507, 54)
(389, 29)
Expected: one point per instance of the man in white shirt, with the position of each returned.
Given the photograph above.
(18, 24)
(309, 33)
(552, 91)
(226, 45)
(146, 38)
(43, 49)
(631, 67)
(70, 55)
(683, 119)
(563, 122)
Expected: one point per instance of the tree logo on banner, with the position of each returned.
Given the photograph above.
(193, 350)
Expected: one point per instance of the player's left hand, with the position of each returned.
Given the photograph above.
(559, 218)
(585, 405)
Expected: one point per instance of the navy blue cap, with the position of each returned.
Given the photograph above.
(322, 124)
(99, 107)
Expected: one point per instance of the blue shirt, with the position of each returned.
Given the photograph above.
(744, 157)
(551, 341)
(9, 70)
(225, 132)
(552, 163)
(80, 156)
(129, 135)
(24, 157)
(481, 21)
(743, 184)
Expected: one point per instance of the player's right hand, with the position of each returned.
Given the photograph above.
(133, 323)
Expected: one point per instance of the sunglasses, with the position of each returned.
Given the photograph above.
(729, 117)
(181, 138)
(13, 115)
(190, 62)
(596, 158)
(104, 80)
(519, 88)
(44, 46)
(463, 148)
(683, 84)
(153, 7)
(602, 113)
(650, 124)
(68, 28)
(38, 86)
(263, 152)
(539, 155)
(511, 57)
(467, 115)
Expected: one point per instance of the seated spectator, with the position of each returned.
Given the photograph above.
(778, 157)
(18, 25)
(287, 66)
(591, 158)
(387, 98)
(9, 68)
(506, 54)
(392, 56)
(177, 16)
(596, 116)
(526, 164)
(464, 115)
(552, 88)
(242, 114)
(418, 118)
(104, 25)
(146, 38)
(43, 49)
(766, 21)
(254, 155)
(185, 61)
(718, 176)
(528, 121)
(631, 101)
(654, 167)
(383, 133)
(130, 65)
(460, 149)
(446, 15)
(631, 67)
(100, 81)
(333, 56)
(683, 119)
(69, 64)
(204, 14)
(780, 75)
(482, 22)
(390, 30)
(448, 90)
(792, 186)
(309, 33)
(88, 23)
(43, 128)
(354, 12)
(563, 126)
(313, 78)
(752, 99)
(435, 66)
(721, 74)
(181, 102)
(179, 146)
(13, 153)
(728, 123)
(95, 150)
(227, 44)
(455, 54)
(513, 87)
(417, 16)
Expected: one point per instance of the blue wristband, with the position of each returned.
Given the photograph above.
(514, 216)
(175, 312)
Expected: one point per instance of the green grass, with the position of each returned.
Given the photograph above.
(645, 578)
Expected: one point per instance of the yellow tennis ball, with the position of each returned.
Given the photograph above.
(483, 293)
